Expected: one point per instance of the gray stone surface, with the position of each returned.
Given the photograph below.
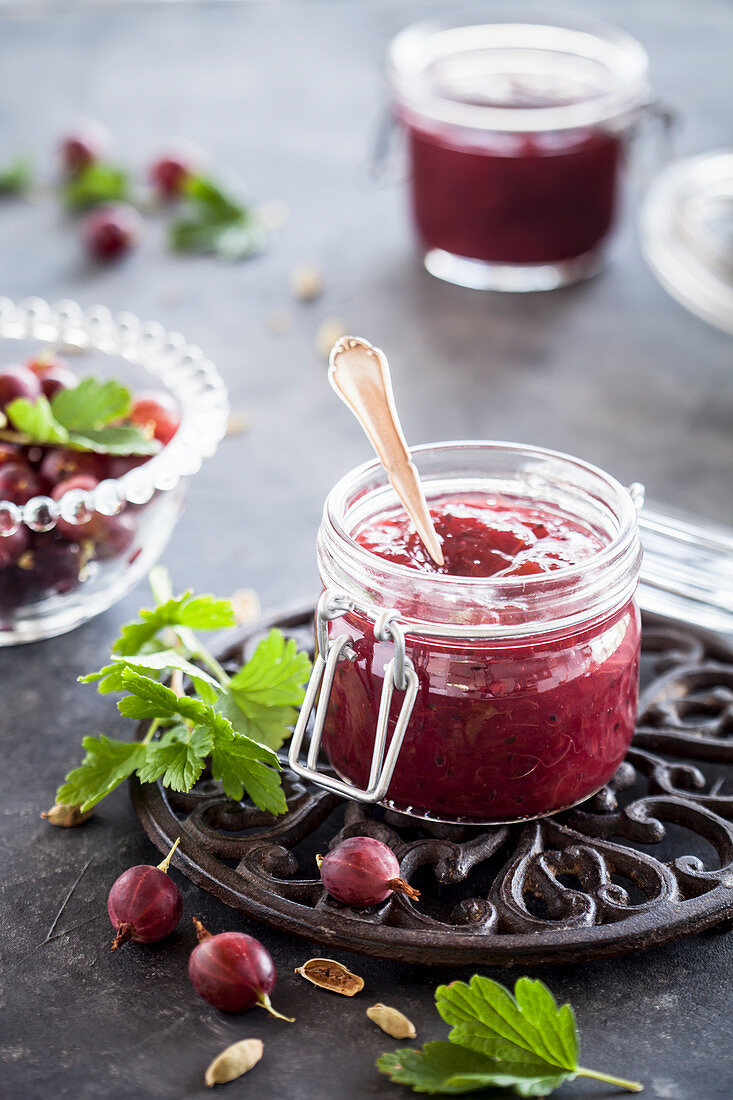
(289, 97)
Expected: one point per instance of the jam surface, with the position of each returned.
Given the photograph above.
(484, 536)
(513, 198)
(501, 729)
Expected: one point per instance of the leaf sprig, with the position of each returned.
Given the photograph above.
(16, 177)
(213, 220)
(88, 417)
(522, 1042)
(96, 183)
(234, 722)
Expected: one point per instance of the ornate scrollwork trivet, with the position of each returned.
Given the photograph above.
(647, 859)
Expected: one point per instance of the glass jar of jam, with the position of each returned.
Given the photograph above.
(516, 134)
(499, 687)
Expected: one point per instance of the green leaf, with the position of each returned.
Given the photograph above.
(214, 221)
(525, 1043)
(275, 674)
(267, 725)
(96, 184)
(239, 765)
(147, 699)
(211, 198)
(532, 1043)
(81, 418)
(36, 420)
(440, 1068)
(16, 178)
(162, 639)
(147, 663)
(188, 611)
(204, 613)
(91, 405)
(122, 439)
(106, 764)
(178, 758)
(264, 694)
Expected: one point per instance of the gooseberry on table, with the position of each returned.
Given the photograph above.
(84, 146)
(111, 231)
(232, 971)
(144, 904)
(170, 172)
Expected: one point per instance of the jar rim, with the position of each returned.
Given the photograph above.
(415, 51)
(613, 569)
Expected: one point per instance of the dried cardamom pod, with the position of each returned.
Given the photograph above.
(234, 1061)
(329, 974)
(391, 1020)
(66, 815)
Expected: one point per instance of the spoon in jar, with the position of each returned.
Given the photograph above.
(359, 373)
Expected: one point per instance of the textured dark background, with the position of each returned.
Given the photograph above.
(289, 96)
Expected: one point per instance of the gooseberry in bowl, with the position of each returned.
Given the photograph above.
(84, 518)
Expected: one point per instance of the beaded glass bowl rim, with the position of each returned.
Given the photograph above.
(183, 369)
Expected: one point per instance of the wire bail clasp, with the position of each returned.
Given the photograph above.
(399, 673)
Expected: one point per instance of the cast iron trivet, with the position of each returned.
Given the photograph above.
(648, 859)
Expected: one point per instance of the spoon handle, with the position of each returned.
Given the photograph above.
(359, 373)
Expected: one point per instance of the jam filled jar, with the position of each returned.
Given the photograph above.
(516, 135)
(501, 686)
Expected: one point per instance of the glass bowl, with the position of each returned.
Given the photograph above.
(58, 580)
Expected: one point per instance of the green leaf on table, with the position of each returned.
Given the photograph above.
(178, 758)
(215, 221)
(92, 404)
(265, 694)
(440, 1068)
(16, 178)
(522, 1042)
(97, 183)
(36, 420)
(532, 1042)
(107, 764)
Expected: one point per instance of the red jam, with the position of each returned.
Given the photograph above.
(513, 198)
(501, 729)
(484, 536)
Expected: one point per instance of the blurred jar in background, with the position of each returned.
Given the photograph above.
(516, 135)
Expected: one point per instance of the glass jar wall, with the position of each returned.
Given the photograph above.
(516, 134)
(528, 682)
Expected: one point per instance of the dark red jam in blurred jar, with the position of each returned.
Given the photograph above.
(515, 136)
(525, 644)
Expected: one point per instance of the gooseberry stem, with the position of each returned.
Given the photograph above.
(630, 1086)
(167, 861)
(401, 886)
(263, 1001)
(124, 933)
(201, 932)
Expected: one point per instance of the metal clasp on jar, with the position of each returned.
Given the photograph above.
(399, 673)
